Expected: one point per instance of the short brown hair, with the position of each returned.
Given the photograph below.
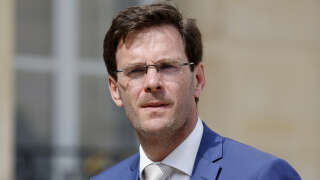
(137, 18)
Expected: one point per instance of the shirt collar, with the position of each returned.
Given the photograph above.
(177, 158)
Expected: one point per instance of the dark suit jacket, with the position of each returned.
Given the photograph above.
(218, 158)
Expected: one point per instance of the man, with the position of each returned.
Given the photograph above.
(153, 57)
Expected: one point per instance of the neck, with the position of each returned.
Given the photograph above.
(157, 147)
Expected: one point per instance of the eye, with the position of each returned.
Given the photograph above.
(166, 67)
(138, 70)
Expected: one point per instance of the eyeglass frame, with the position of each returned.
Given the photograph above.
(158, 67)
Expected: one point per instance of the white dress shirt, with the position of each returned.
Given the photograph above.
(182, 158)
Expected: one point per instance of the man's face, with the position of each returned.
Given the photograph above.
(158, 103)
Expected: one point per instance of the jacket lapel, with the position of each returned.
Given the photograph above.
(134, 168)
(206, 165)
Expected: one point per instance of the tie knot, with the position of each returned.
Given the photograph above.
(157, 171)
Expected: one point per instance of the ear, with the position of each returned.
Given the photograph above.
(114, 91)
(199, 79)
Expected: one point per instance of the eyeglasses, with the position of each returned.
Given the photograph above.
(167, 70)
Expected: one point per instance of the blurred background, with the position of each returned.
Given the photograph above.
(57, 121)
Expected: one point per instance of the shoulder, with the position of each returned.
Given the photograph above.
(125, 168)
(240, 161)
(234, 150)
(251, 162)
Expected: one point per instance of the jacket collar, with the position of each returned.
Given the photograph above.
(210, 152)
(134, 168)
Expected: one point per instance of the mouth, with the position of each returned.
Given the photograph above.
(155, 105)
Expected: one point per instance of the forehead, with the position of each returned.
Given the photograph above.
(150, 45)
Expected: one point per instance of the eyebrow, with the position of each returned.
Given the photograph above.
(168, 60)
(133, 65)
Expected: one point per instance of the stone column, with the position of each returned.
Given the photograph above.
(6, 90)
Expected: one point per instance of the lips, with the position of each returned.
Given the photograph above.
(155, 105)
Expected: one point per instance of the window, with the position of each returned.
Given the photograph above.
(67, 126)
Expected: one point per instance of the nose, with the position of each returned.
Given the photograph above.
(152, 80)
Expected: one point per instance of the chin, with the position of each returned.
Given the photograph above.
(156, 125)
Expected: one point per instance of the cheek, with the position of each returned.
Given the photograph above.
(181, 89)
(130, 95)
